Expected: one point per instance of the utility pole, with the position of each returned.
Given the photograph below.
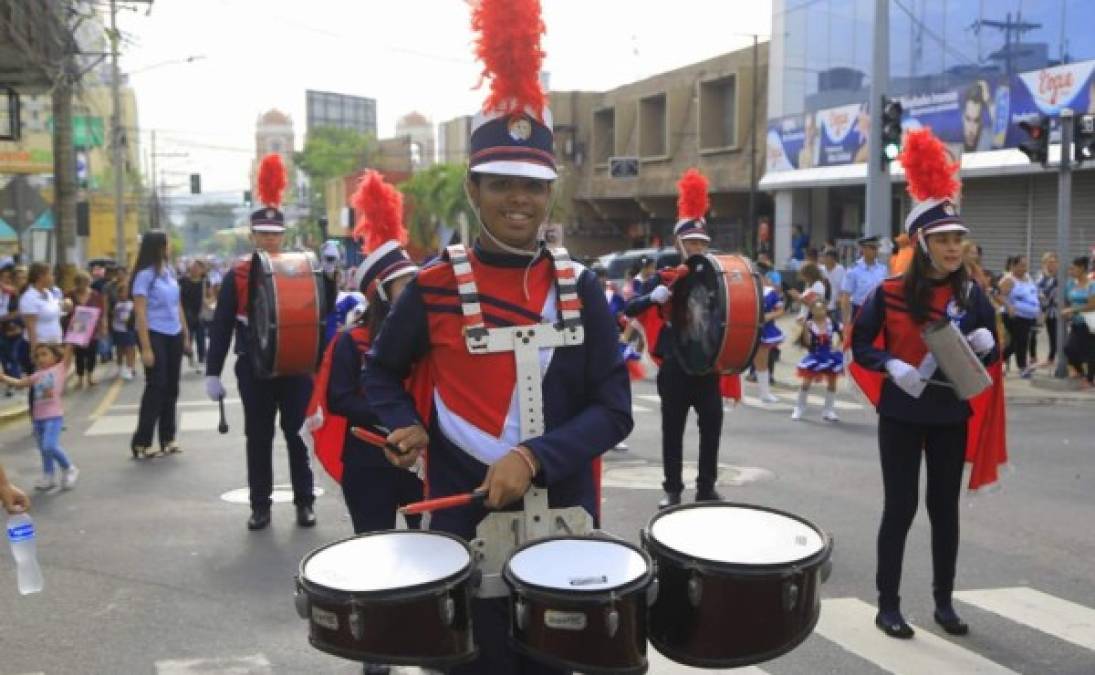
(1064, 216)
(64, 154)
(155, 219)
(751, 220)
(116, 140)
(878, 176)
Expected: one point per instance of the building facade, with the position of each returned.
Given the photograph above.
(420, 131)
(453, 140)
(327, 109)
(969, 70)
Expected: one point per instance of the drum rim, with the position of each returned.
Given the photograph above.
(264, 364)
(343, 596)
(531, 590)
(659, 548)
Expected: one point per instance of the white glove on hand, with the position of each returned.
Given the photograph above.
(213, 388)
(660, 294)
(906, 377)
(981, 341)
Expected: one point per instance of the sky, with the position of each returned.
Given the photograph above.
(409, 55)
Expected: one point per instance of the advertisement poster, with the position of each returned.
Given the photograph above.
(85, 321)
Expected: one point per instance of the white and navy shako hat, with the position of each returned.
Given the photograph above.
(933, 216)
(267, 219)
(388, 262)
(513, 144)
(691, 228)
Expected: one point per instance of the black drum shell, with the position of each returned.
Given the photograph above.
(591, 649)
(400, 627)
(746, 614)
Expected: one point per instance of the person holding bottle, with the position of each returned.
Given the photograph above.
(12, 498)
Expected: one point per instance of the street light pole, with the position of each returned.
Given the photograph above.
(1064, 218)
(878, 176)
(116, 139)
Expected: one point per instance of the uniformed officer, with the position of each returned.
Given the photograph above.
(263, 399)
(679, 390)
(867, 273)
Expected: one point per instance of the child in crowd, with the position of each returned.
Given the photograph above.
(822, 362)
(48, 382)
(122, 333)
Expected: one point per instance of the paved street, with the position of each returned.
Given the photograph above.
(149, 569)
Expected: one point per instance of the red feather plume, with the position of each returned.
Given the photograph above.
(509, 47)
(272, 180)
(379, 209)
(929, 172)
(692, 200)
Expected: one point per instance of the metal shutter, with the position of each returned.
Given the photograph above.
(1082, 234)
(995, 209)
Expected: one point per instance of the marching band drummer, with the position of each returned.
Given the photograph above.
(679, 390)
(263, 399)
(473, 432)
(916, 416)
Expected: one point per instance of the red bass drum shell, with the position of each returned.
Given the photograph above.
(285, 314)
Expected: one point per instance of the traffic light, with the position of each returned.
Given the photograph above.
(247, 197)
(891, 129)
(195, 183)
(1083, 139)
(1036, 148)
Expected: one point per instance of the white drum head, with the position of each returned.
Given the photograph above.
(382, 562)
(578, 565)
(736, 534)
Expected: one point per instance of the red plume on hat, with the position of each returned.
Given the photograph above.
(272, 180)
(379, 208)
(509, 47)
(929, 171)
(692, 200)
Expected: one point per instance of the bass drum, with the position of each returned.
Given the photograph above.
(394, 597)
(717, 314)
(580, 603)
(285, 312)
(739, 584)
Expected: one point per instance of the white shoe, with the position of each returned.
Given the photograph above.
(127, 374)
(830, 416)
(69, 476)
(47, 482)
(770, 398)
(796, 414)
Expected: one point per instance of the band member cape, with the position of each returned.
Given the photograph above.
(986, 438)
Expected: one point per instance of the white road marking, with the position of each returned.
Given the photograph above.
(181, 404)
(199, 420)
(661, 665)
(112, 424)
(1060, 618)
(849, 622)
(636, 409)
(233, 665)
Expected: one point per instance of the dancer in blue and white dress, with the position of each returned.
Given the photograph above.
(770, 336)
(823, 361)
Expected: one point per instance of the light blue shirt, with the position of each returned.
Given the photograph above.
(862, 279)
(162, 292)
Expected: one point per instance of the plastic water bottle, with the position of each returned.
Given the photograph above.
(25, 551)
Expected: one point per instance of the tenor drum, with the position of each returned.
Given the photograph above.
(285, 311)
(580, 603)
(717, 314)
(738, 584)
(394, 597)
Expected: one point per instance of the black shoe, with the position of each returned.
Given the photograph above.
(708, 495)
(893, 624)
(305, 516)
(950, 621)
(670, 499)
(258, 520)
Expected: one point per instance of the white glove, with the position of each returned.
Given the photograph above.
(660, 294)
(906, 377)
(213, 387)
(981, 341)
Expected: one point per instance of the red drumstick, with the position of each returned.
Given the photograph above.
(376, 439)
(444, 503)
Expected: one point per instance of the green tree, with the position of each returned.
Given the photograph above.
(436, 197)
(330, 152)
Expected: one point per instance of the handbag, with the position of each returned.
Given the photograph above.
(1089, 319)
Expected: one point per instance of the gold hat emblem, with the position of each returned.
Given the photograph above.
(948, 209)
(520, 129)
(270, 213)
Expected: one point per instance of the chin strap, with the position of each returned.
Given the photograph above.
(923, 241)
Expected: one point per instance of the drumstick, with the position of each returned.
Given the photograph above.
(376, 439)
(223, 426)
(440, 503)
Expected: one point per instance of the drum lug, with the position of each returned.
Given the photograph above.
(612, 622)
(695, 589)
(357, 627)
(447, 608)
(520, 610)
(790, 595)
(652, 591)
(300, 600)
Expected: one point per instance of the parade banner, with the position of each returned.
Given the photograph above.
(85, 320)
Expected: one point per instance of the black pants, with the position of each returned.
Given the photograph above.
(1080, 349)
(263, 400)
(1020, 339)
(197, 335)
(161, 390)
(900, 445)
(86, 357)
(491, 621)
(680, 391)
(1051, 336)
(372, 496)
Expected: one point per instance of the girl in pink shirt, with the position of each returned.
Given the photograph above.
(48, 382)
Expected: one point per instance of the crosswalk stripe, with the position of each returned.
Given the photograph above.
(660, 665)
(1060, 618)
(849, 622)
(255, 664)
(639, 409)
(181, 404)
